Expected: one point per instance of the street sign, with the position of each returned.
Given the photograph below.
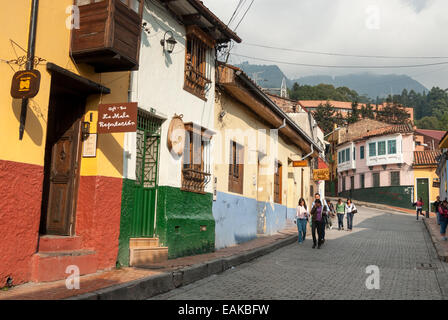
(321, 174)
(25, 84)
(300, 164)
(117, 117)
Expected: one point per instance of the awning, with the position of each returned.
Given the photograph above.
(69, 82)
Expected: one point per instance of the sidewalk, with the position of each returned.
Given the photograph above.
(138, 283)
(434, 232)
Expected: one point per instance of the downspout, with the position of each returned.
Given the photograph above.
(30, 60)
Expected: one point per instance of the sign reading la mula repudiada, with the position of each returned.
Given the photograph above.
(117, 117)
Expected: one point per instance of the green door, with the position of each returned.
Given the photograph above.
(423, 192)
(147, 164)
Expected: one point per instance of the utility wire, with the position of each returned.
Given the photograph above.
(244, 14)
(235, 12)
(341, 54)
(341, 66)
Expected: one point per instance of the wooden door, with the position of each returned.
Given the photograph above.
(278, 183)
(423, 192)
(63, 180)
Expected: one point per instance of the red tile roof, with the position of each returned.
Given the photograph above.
(397, 128)
(435, 134)
(425, 158)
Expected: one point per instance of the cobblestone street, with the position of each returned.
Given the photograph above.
(396, 243)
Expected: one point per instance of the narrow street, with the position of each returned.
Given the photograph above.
(394, 242)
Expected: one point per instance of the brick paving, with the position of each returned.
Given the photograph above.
(395, 242)
(440, 245)
(93, 282)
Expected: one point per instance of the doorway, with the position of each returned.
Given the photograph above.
(62, 159)
(423, 192)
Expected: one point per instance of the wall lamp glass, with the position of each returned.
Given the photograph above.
(168, 44)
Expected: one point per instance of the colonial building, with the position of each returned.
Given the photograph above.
(386, 165)
(305, 120)
(61, 180)
(442, 167)
(256, 143)
(167, 191)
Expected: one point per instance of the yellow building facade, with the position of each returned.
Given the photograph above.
(55, 195)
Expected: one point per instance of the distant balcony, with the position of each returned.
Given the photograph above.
(109, 34)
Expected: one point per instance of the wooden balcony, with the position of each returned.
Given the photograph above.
(109, 34)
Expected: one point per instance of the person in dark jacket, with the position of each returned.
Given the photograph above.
(437, 204)
(318, 219)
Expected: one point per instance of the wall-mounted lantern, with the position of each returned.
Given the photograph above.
(168, 44)
(85, 130)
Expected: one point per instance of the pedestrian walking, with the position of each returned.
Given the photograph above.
(443, 211)
(340, 212)
(325, 209)
(437, 204)
(302, 216)
(419, 207)
(318, 224)
(329, 216)
(350, 209)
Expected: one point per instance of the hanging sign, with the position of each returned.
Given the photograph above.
(300, 164)
(25, 84)
(321, 174)
(117, 117)
(176, 135)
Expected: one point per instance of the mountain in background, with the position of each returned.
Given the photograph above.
(372, 85)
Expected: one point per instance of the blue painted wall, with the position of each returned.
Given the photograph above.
(237, 218)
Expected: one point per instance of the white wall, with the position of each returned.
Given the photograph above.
(158, 84)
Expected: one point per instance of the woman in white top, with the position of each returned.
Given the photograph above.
(302, 215)
(350, 209)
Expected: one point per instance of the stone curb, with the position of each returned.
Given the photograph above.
(372, 205)
(439, 249)
(154, 285)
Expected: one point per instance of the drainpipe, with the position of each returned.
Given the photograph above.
(30, 60)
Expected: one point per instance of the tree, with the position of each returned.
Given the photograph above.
(325, 117)
(353, 116)
(394, 114)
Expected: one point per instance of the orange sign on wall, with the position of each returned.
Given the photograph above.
(300, 164)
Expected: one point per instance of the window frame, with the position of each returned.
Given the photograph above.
(374, 154)
(379, 149)
(194, 177)
(236, 168)
(278, 182)
(374, 184)
(397, 180)
(198, 64)
(361, 152)
(389, 143)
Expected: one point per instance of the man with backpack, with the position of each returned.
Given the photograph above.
(325, 211)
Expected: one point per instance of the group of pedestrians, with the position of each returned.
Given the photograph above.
(320, 217)
(441, 210)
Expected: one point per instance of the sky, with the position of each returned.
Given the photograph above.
(398, 28)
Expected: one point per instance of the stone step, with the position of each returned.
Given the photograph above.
(52, 266)
(59, 243)
(145, 256)
(143, 242)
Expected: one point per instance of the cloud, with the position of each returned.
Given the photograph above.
(363, 27)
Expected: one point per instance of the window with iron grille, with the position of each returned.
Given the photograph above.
(196, 160)
(395, 178)
(197, 62)
(236, 168)
(362, 180)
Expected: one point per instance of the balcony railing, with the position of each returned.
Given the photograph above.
(195, 180)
